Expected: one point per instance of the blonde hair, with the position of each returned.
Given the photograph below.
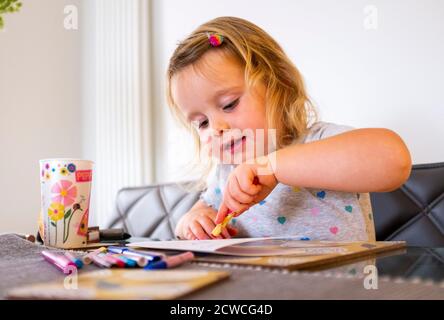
(288, 107)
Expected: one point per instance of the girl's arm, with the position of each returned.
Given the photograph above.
(362, 160)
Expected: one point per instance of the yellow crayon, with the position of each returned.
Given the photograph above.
(218, 229)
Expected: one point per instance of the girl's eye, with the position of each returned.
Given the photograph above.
(231, 105)
(203, 124)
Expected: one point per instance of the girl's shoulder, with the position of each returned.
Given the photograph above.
(321, 130)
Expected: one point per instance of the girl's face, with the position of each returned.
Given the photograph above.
(213, 96)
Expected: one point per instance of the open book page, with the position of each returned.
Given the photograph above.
(242, 246)
(124, 284)
(190, 245)
(262, 247)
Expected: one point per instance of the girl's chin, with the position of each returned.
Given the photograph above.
(236, 158)
(227, 157)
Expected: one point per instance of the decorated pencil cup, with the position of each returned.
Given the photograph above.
(65, 194)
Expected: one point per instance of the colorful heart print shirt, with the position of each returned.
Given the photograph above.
(311, 214)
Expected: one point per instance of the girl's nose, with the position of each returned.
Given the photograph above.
(219, 128)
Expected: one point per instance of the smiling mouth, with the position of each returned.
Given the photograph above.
(234, 143)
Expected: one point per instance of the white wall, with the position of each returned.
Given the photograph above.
(389, 77)
(40, 98)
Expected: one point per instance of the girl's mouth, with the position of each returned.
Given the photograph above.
(235, 145)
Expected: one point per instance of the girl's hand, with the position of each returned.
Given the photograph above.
(246, 186)
(198, 223)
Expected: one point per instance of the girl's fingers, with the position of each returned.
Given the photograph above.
(237, 193)
(208, 225)
(237, 214)
(233, 205)
(222, 213)
(225, 233)
(189, 235)
(197, 230)
(248, 183)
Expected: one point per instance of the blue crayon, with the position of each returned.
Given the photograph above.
(74, 259)
(156, 265)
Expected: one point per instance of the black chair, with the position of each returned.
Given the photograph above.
(414, 212)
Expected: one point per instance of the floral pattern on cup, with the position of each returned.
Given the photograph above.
(56, 211)
(65, 192)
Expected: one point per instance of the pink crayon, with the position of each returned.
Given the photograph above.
(59, 260)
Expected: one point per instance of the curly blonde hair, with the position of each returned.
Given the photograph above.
(288, 107)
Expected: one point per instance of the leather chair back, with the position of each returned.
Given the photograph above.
(414, 212)
(151, 211)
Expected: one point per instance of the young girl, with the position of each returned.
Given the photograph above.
(231, 85)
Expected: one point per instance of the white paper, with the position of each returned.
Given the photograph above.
(242, 246)
(192, 245)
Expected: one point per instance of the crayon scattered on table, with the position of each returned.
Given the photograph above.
(100, 262)
(150, 256)
(130, 263)
(77, 261)
(128, 258)
(59, 260)
(171, 262)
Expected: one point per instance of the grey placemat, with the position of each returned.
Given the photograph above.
(22, 264)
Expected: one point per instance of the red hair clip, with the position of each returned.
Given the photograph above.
(215, 39)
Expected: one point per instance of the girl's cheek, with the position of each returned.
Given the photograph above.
(204, 135)
(206, 141)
